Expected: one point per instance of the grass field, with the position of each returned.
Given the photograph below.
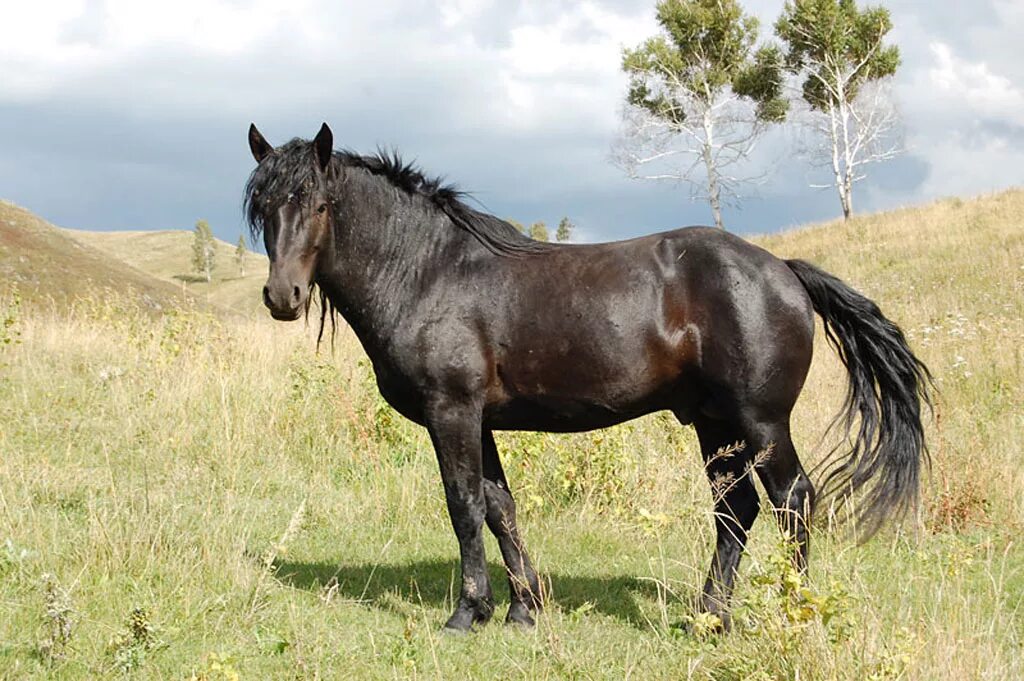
(193, 496)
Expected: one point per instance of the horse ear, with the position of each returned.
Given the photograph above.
(324, 145)
(260, 147)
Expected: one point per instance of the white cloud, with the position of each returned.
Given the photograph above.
(50, 44)
(555, 64)
(456, 12)
(567, 71)
(962, 164)
(516, 99)
(974, 85)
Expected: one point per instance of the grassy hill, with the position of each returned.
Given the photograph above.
(167, 255)
(200, 497)
(49, 267)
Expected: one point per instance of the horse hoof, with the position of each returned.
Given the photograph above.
(519, 615)
(465, 618)
(461, 622)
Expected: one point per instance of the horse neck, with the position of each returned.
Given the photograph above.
(388, 251)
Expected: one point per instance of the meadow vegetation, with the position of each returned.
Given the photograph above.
(208, 497)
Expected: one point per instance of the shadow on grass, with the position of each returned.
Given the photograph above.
(190, 278)
(433, 582)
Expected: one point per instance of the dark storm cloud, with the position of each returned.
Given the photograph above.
(154, 136)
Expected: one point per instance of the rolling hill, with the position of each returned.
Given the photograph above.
(48, 266)
(57, 266)
(166, 255)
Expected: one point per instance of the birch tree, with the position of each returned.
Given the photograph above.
(565, 230)
(539, 231)
(700, 97)
(845, 69)
(203, 250)
(240, 255)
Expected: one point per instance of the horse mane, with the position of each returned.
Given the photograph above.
(290, 170)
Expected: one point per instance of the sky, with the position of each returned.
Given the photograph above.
(121, 114)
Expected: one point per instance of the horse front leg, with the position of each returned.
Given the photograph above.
(455, 430)
(524, 585)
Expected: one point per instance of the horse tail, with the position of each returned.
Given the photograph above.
(887, 386)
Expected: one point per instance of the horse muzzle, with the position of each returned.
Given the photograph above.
(285, 303)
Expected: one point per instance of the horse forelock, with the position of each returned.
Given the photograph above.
(288, 171)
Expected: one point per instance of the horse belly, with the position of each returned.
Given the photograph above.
(588, 388)
(560, 415)
(590, 404)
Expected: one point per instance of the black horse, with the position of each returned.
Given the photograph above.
(472, 327)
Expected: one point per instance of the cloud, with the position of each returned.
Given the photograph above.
(956, 90)
(975, 86)
(136, 112)
(964, 122)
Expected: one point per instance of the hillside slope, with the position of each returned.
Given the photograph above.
(46, 265)
(167, 255)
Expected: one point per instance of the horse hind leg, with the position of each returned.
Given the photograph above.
(789, 489)
(524, 585)
(736, 508)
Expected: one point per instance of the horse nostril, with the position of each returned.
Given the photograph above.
(266, 296)
(296, 293)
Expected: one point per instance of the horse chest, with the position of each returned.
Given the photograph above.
(399, 392)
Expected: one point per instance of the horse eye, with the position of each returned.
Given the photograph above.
(322, 209)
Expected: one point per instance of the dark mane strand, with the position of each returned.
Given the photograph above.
(290, 170)
(495, 234)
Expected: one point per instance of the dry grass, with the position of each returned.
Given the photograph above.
(195, 497)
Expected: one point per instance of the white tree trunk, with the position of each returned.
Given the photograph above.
(846, 185)
(714, 190)
(838, 117)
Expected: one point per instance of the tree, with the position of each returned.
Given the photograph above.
(520, 227)
(565, 229)
(240, 255)
(839, 54)
(539, 231)
(700, 97)
(203, 250)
